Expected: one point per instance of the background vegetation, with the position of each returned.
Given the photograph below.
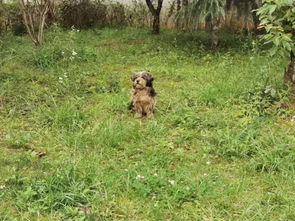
(220, 147)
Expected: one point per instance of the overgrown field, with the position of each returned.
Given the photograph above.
(220, 147)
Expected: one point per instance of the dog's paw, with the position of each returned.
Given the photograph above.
(150, 115)
(138, 115)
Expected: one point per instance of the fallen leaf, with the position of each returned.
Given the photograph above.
(41, 154)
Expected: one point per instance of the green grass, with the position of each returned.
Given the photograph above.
(220, 147)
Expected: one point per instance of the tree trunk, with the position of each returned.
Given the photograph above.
(290, 73)
(156, 24)
(215, 32)
(178, 5)
(156, 15)
(34, 15)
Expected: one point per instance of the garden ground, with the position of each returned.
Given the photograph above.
(220, 146)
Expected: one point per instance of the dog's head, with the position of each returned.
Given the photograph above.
(142, 79)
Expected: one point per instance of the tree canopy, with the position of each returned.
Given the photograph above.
(278, 20)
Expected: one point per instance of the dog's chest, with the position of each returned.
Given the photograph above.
(141, 96)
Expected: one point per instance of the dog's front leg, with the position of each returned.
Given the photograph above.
(138, 115)
(148, 109)
(138, 111)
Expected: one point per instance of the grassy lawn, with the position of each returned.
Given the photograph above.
(220, 146)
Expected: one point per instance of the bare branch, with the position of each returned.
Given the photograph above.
(34, 15)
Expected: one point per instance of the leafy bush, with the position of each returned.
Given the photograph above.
(82, 13)
(11, 19)
(47, 57)
(116, 14)
(138, 14)
(278, 20)
(264, 101)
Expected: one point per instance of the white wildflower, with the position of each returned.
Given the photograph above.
(60, 78)
(172, 182)
(203, 133)
(208, 162)
(74, 53)
(2, 187)
(139, 177)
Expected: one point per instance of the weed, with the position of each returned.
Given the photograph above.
(18, 140)
(65, 117)
(65, 188)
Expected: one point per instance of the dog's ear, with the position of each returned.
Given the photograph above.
(152, 92)
(149, 78)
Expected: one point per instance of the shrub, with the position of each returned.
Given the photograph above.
(82, 13)
(11, 19)
(116, 14)
(47, 57)
(138, 14)
(2, 18)
(264, 101)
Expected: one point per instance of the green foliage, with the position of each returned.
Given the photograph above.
(200, 13)
(65, 118)
(18, 140)
(82, 13)
(138, 14)
(49, 57)
(11, 19)
(65, 188)
(116, 14)
(277, 18)
(244, 7)
(264, 101)
(167, 191)
(209, 10)
(203, 11)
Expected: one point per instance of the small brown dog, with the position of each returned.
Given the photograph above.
(143, 94)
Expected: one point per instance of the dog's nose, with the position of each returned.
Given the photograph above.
(137, 81)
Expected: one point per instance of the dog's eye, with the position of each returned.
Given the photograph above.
(133, 78)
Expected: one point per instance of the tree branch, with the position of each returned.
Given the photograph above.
(160, 3)
(151, 7)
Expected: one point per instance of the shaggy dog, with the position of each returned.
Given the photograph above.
(143, 94)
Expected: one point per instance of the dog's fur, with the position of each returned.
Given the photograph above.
(143, 94)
